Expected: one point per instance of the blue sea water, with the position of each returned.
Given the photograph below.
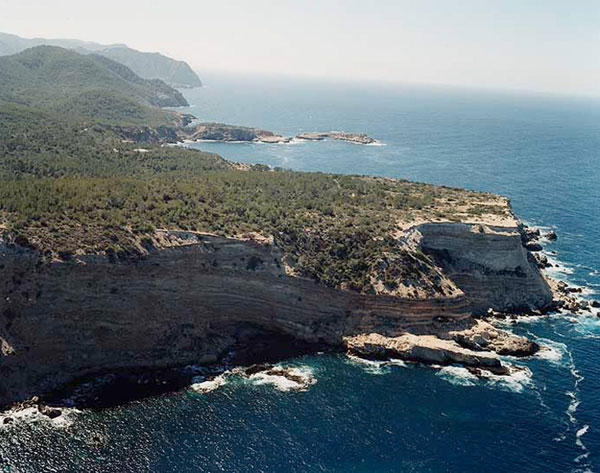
(541, 151)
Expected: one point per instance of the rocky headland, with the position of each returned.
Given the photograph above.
(233, 133)
(129, 270)
(194, 297)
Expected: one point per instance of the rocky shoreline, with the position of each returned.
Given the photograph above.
(474, 344)
(477, 346)
(565, 297)
(359, 138)
(232, 133)
(436, 332)
(116, 388)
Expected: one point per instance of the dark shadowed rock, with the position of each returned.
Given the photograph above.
(533, 246)
(529, 234)
(257, 368)
(542, 261)
(50, 412)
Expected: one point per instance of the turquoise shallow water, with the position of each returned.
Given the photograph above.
(543, 152)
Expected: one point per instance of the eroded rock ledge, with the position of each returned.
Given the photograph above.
(469, 343)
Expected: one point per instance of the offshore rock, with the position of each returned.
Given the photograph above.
(421, 348)
(534, 246)
(50, 412)
(529, 234)
(474, 344)
(484, 336)
(359, 138)
(542, 261)
(551, 235)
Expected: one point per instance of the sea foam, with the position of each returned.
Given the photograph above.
(457, 375)
(208, 386)
(301, 379)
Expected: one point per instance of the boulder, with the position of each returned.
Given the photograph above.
(529, 234)
(533, 246)
(562, 286)
(50, 412)
(551, 235)
(542, 261)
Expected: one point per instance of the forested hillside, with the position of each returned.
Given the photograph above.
(77, 86)
(71, 184)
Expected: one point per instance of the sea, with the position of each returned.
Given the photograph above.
(542, 151)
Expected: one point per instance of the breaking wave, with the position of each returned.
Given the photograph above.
(457, 375)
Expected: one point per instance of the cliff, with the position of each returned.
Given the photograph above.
(488, 263)
(154, 66)
(193, 296)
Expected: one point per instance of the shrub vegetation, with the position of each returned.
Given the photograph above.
(70, 183)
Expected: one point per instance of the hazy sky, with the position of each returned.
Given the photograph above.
(545, 45)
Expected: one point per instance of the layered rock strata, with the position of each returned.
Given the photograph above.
(489, 263)
(191, 302)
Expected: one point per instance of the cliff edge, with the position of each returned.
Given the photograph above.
(193, 296)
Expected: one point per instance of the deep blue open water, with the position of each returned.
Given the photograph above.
(543, 152)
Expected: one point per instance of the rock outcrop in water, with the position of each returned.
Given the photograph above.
(359, 138)
(468, 342)
(191, 302)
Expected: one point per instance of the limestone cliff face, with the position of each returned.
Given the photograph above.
(176, 306)
(189, 303)
(490, 264)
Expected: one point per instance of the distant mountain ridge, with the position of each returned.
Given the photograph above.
(145, 65)
(90, 87)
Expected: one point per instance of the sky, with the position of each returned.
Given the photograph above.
(539, 45)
